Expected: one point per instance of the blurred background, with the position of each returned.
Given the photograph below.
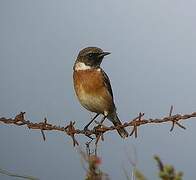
(152, 66)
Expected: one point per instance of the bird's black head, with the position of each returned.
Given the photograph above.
(91, 56)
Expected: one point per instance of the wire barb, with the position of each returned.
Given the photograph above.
(99, 130)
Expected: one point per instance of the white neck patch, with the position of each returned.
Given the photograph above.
(79, 66)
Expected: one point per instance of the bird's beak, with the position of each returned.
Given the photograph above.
(104, 54)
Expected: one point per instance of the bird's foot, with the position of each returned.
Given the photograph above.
(89, 136)
(86, 128)
(86, 131)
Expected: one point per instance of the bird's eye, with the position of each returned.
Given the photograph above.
(90, 54)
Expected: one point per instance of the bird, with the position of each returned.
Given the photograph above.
(92, 86)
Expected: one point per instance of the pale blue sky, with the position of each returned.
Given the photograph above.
(152, 66)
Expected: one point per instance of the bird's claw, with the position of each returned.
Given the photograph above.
(86, 128)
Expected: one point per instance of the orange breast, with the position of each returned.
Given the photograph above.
(91, 91)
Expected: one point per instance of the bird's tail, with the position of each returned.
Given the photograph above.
(116, 121)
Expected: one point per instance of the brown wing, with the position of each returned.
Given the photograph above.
(107, 82)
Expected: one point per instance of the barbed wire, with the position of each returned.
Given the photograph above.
(99, 129)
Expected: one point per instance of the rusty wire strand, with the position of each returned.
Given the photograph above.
(98, 130)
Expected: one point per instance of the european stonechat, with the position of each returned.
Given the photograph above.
(93, 88)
